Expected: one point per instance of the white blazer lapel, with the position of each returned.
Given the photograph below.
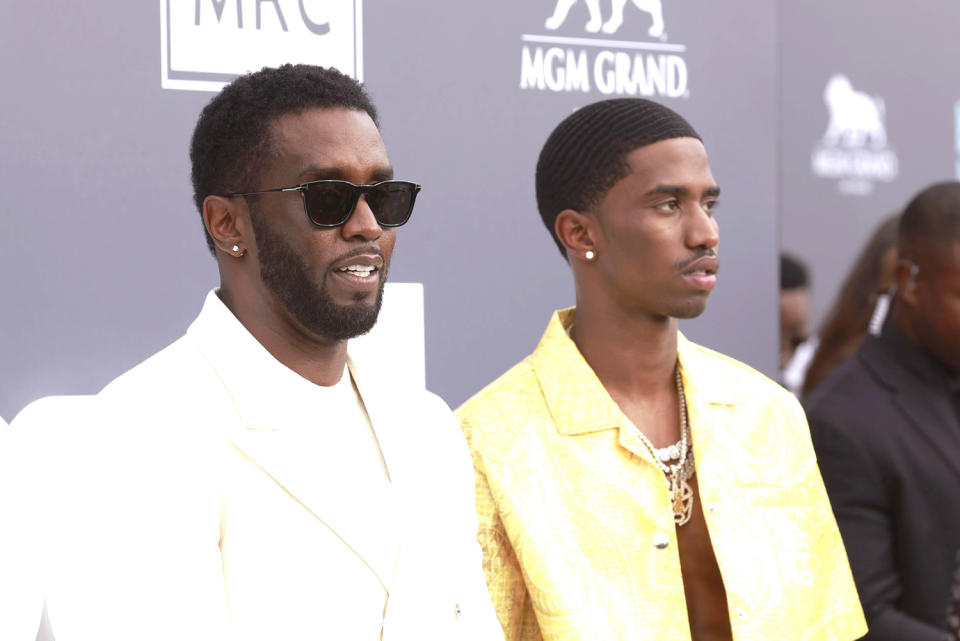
(385, 407)
(325, 487)
(285, 438)
(388, 407)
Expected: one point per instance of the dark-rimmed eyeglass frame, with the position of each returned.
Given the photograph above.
(358, 190)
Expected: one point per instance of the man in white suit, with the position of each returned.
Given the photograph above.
(258, 479)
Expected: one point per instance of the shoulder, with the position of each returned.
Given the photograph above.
(51, 407)
(721, 363)
(723, 372)
(430, 410)
(513, 389)
(508, 416)
(444, 433)
(54, 424)
(721, 386)
(174, 390)
(177, 365)
(177, 380)
(849, 396)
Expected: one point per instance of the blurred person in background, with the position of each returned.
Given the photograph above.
(796, 344)
(886, 429)
(846, 323)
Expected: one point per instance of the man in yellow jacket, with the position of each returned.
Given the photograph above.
(631, 484)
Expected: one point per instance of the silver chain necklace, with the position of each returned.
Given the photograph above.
(678, 474)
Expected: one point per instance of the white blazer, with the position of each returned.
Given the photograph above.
(193, 498)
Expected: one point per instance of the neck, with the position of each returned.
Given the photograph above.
(634, 356)
(908, 326)
(320, 362)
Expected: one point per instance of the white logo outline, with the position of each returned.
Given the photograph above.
(855, 116)
(190, 59)
(596, 24)
(854, 149)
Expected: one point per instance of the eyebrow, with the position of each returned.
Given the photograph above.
(337, 173)
(677, 190)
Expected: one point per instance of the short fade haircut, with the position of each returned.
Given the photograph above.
(234, 132)
(587, 153)
(933, 216)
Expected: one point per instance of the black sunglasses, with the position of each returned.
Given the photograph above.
(330, 203)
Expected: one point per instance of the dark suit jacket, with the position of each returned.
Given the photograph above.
(887, 438)
(953, 619)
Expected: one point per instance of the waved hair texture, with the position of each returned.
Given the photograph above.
(233, 135)
(587, 153)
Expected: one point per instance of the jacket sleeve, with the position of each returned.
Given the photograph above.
(478, 621)
(500, 566)
(860, 502)
(837, 604)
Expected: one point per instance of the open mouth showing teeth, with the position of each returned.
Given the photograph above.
(359, 270)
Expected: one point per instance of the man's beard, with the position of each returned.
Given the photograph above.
(310, 304)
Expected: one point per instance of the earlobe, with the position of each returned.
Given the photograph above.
(224, 224)
(907, 273)
(575, 231)
(912, 277)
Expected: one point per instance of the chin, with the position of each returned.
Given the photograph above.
(690, 310)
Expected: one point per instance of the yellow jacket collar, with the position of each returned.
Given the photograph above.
(560, 368)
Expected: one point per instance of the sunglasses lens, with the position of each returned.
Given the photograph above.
(329, 203)
(392, 202)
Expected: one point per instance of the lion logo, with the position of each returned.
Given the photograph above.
(855, 117)
(653, 7)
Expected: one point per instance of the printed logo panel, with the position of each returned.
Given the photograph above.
(587, 60)
(204, 44)
(854, 150)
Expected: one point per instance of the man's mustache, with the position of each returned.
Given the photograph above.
(683, 264)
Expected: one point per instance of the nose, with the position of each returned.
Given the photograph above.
(362, 223)
(702, 229)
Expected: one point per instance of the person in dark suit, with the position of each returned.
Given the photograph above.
(887, 435)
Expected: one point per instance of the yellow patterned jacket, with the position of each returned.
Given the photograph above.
(570, 502)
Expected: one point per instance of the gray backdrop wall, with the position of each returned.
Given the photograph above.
(102, 258)
(903, 95)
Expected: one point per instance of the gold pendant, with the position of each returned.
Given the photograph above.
(682, 499)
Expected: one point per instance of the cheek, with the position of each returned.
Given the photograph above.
(387, 242)
(317, 249)
(941, 316)
(949, 319)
